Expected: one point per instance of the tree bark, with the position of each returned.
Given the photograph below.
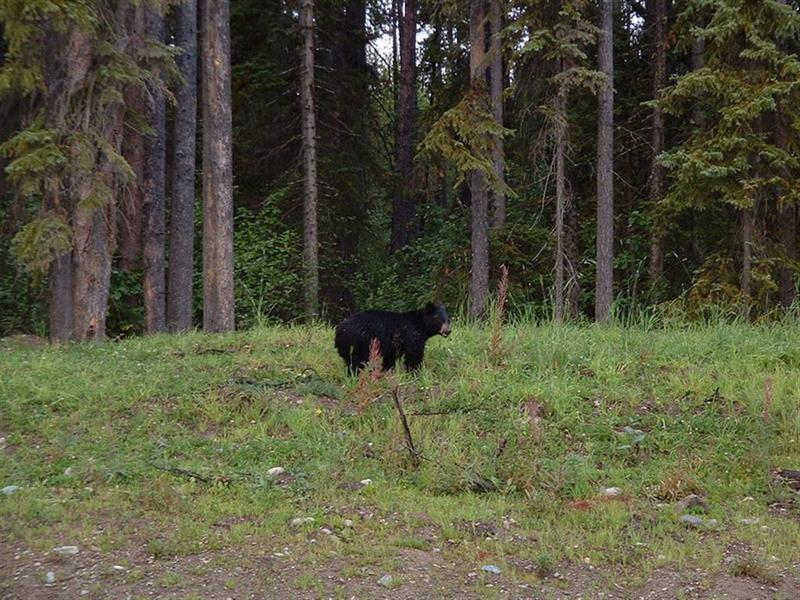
(154, 208)
(571, 254)
(657, 140)
(479, 276)
(181, 223)
(787, 227)
(561, 191)
(395, 66)
(218, 298)
(91, 274)
(787, 237)
(92, 229)
(310, 191)
(748, 228)
(698, 120)
(404, 213)
(604, 290)
(131, 225)
(59, 298)
(496, 99)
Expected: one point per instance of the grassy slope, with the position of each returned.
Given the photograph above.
(708, 410)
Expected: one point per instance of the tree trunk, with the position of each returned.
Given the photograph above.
(91, 274)
(59, 299)
(435, 73)
(698, 120)
(181, 223)
(404, 213)
(395, 74)
(218, 299)
(787, 237)
(604, 290)
(154, 209)
(787, 227)
(479, 277)
(92, 229)
(571, 253)
(657, 140)
(130, 226)
(748, 228)
(496, 98)
(561, 191)
(59, 283)
(309, 115)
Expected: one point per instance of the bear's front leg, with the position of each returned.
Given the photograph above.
(413, 360)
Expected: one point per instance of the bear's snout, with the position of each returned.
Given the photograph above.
(445, 330)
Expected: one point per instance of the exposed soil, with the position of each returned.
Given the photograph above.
(259, 568)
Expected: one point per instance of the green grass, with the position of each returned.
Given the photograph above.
(521, 442)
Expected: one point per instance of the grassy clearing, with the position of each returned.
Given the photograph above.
(166, 441)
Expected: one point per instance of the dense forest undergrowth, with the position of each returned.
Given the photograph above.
(153, 457)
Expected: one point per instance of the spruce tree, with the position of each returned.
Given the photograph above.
(737, 156)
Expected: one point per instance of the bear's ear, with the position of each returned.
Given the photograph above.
(430, 307)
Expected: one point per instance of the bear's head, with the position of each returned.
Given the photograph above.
(437, 321)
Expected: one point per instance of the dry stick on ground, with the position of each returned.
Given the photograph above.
(415, 456)
(182, 472)
(437, 413)
(224, 479)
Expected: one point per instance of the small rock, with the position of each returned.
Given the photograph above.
(326, 531)
(692, 520)
(750, 521)
(385, 581)
(275, 471)
(66, 550)
(693, 501)
(494, 570)
(610, 492)
(68, 471)
(298, 521)
(365, 482)
(10, 489)
(712, 523)
(119, 568)
(50, 577)
(348, 523)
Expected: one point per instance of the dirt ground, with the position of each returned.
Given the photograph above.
(255, 569)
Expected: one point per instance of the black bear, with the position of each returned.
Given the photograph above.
(400, 335)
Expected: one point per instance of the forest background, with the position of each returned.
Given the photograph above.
(432, 142)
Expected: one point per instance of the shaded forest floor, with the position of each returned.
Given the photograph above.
(563, 463)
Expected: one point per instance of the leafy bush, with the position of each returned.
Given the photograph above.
(268, 265)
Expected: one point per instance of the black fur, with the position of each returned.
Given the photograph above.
(400, 335)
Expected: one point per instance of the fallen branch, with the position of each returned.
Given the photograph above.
(182, 472)
(437, 413)
(415, 456)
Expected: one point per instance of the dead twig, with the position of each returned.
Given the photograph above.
(182, 472)
(415, 456)
(437, 413)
